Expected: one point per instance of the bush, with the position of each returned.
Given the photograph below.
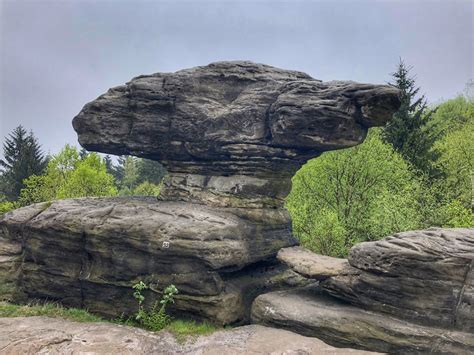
(68, 175)
(156, 318)
(7, 207)
(362, 193)
(147, 189)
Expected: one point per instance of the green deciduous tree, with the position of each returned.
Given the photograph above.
(147, 189)
(67, 175)
(409, 130)
(453, 190)
(452, 115)
(363, 193)
(136, 176)
(23, 158)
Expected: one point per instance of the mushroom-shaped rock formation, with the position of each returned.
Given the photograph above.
(231, 135)
(234, 129)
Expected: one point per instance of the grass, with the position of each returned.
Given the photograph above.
(181, 329)
(48, 310)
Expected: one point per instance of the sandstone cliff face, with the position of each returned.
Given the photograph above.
(408, 293)
(231, 135)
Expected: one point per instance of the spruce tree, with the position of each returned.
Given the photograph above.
(409, 130)
(109, 165)
(22, 158)
(151, 171)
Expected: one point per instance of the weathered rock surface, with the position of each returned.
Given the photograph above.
(426, 276)
(312, 312)
(89, 252)
(232, 119)
(410, 292)
(311, 265)
(34, 335)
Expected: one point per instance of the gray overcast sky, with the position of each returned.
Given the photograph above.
(58, 55)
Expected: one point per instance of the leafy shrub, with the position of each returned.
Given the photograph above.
(147, 189)
(456, 215)
(68, 175)
(7, 207)
(362, 193)
(156, 318)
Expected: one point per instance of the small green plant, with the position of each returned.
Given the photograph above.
(156, 318)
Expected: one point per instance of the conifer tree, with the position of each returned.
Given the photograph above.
(151, 171)
(22, 158)
(109, 165)
(409, 130)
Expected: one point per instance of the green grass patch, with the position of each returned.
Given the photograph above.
(182, 329)
(47, 310)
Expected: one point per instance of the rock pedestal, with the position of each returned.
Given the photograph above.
(408, 293)
(231, 135)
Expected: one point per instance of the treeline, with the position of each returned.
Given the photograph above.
(28, 176)
(414, 173)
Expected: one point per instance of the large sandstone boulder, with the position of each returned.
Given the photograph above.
(231, 135)
(89, 252)
(410, 292)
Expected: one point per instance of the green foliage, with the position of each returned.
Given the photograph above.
(147, 189)
(151, 171)
(156, 318)
(456, 162)
(67, 176)
(182, 329)
(408, 131)
(452, 115)
(48, 310)
(130, 176)
(138, 177)
(363, 193)
(453, 189)
(89, 178)
(23, 158)
(456, 215)
(7, 206)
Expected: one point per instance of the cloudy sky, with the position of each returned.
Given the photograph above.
(58, 55)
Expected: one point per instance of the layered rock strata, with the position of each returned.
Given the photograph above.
(408, 293)
(231, 135)
(89, 253)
